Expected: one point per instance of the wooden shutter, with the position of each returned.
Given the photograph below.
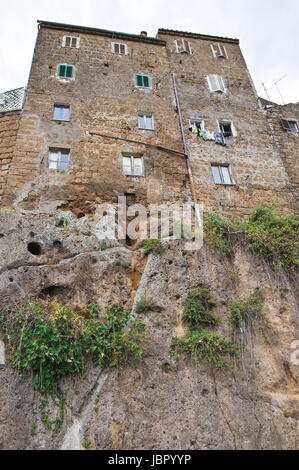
(285, 124)
(116, 48)
(145, 81)
(67, 41)
(53, 160)
(74, 42)
(122, 49)
(221, 83)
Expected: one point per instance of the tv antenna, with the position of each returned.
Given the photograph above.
(265, 89)
(275, 83)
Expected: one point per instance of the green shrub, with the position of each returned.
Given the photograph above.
(86, 443)
(102, 245)
(197, 308)
(33, 428)
(147, 305)
(153, 245)
(211, 348)
(249, 312)
(54, 342)
(217, 233)
(274, 237)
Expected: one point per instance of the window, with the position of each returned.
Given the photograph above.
(59, 159)
(221, 174)
(216, 83)
(70, 41)
(145, 121)
(197, 125)
(219, 51)
(118, 48)
(65, 71)
(182, 45)
(61, 112)
(227, 128)
(143, 81)
(132, 165)
(291, 126)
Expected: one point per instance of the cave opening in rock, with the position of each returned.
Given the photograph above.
(34, 248)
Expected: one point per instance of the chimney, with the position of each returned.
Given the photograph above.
(143, 33)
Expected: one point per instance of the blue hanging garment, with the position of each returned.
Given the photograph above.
(219, 138)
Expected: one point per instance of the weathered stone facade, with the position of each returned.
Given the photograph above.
(103, 125)
(9, 125)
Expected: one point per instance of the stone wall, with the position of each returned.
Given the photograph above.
(104, 105)
(286, 142)
(255, 162)
(9, 124)
(103, 98)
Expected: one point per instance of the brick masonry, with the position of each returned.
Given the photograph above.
(104, 99)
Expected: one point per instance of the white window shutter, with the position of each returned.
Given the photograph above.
(216, 50)
(127, 168)
(149, 122)
(137, 166)
(180, 45)
(187, 47)
(213, 82)
(221, 84)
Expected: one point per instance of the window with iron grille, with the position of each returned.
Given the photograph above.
(142, 81)
(145, 121)
(118, 48)
(219, 51)
(132, 165)
(61, 112)
(222, 174)
(216, 83)
(227, 128)
(70, 41)
(65, 71)
(182, 45)
(59, 159)
(291, 126)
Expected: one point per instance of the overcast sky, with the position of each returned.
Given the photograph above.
(268, 31)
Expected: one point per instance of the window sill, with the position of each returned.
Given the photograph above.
(225, 184)
(144, 129)
(135, 176)
(143, 87)
(60, 120)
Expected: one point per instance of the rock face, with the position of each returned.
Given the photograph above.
(163, 403)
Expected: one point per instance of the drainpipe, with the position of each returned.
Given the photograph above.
(186, 149)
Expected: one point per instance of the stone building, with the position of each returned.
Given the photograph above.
(102, 119)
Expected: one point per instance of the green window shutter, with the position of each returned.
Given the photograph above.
(146, 81)
(61, 70)
(139, 81)
(69, 71)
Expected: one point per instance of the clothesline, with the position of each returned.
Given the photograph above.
(217, 137)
